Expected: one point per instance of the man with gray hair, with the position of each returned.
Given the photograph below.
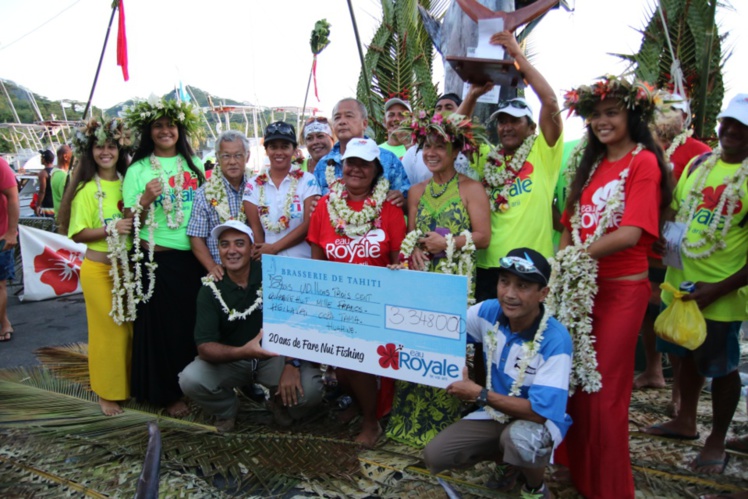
(349, 121)
(219, 199)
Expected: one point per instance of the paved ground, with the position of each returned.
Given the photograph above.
(43, 323)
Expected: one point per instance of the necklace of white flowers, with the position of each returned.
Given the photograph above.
(574, 284)
(233, 314)
(216, 195)
(712, 239)
(347, 221)
(120, 263)
(172, 210)
(285, 219)
(462, 265)
(529, 350)
(138, 258)
(498, 175)
(678, 141)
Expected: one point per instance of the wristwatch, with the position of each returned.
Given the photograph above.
(294, 362)
(482, 399)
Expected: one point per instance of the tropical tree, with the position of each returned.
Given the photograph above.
(690, 36)
(399, 60)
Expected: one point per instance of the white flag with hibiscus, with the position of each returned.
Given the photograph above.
(51, 264)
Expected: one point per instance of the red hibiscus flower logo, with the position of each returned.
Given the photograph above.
(711, 200)
(59, 269)
(389, 356)
(525, 171)
(189, 182)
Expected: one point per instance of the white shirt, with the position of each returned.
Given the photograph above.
(275, 199)
(417, 170)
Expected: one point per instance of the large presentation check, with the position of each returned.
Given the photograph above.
(396, 323)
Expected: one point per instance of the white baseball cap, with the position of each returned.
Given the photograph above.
(395, 100)
(234, 225)
(366, 149)
(516, 107)
(678, 102)
(737, 109)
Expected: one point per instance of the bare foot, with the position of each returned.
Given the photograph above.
(672, 429)
(178, 409)
(110, 407)
(649, 380)
(369, 435)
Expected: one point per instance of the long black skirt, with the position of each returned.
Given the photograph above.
(164, 331)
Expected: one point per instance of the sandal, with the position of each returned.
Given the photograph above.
(6, 336)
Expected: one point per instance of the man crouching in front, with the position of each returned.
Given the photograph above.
(522, 410)
(228, 333)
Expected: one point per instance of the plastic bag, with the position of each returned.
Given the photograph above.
(681, 322)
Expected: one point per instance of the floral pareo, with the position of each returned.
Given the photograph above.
(420, 412)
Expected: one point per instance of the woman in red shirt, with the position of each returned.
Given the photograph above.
(354, 223)
(612, 217)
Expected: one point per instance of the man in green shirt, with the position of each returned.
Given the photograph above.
(59, 176)
(228, 343)
(394, 112)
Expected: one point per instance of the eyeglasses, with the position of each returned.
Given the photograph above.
(282, 128)
(229, 157)
(513, 103)
(524, 265)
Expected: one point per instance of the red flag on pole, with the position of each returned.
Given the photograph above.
(122, 42)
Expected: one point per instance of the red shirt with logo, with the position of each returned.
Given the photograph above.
(371, 249)
(641, 209)
(685, 153)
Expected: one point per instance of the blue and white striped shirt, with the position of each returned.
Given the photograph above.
(546, 383)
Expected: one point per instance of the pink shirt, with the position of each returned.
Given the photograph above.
(7, 180)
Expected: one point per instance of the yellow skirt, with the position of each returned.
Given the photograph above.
(109, 345)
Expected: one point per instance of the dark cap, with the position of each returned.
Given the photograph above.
(527, 264)
(280, 130)
(450, 96)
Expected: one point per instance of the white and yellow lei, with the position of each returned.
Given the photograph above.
(284, 220)
(347, 221)
(678, 141)
(217, 197)
(497, 175)
(712, 239)
(530, 350)
(574, 285)
(232, 313)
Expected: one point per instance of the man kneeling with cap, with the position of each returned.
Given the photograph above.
(522, 411)
(228, 333)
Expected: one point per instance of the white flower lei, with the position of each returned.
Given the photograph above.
(345, 220)
(217, 197)
(137, 256)
(173, 211)
(497, 175)
(678, 141)
(285, 219)
(574, 285)
(233, 314)
(120, 262)
(529, 350)
(712, 239)
(463, 265)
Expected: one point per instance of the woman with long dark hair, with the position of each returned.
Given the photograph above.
(158, 191)
(45, 204)
(90, 213)
(612, 217)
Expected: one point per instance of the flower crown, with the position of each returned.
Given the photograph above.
(145, 112)
(452, 127)
(113, 130)
(635, 95)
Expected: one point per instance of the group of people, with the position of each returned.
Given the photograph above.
(185, 319)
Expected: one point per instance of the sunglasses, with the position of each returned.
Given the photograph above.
(525, 266)
(282, 128)
(513, 103)
(318, 119)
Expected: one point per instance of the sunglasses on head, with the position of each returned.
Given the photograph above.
(318, 119)
(513, 103)
(282, 128)
(524, 265)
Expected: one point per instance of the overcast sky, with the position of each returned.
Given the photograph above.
(258, 51)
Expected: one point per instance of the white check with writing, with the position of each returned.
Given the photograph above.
(397, 323)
